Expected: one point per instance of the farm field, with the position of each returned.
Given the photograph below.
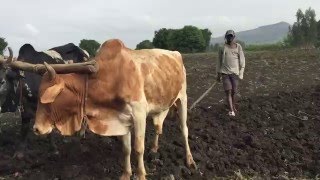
(275, 135)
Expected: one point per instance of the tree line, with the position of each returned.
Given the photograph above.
(189, 39)
(305, 32)
(3, 45)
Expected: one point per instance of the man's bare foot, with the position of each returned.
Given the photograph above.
(231, 113)
(234, 108)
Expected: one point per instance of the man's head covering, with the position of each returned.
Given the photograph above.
(230, 32)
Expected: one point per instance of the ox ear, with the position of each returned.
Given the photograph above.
(51, 93)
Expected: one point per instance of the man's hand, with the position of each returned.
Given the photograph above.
(241, 76)
(219, 77)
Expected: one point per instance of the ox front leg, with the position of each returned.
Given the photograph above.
(183, 111)
(25, 122)
(126, 143)
(158, 124)
(139, 120)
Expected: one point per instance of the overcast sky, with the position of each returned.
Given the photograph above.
(46, 24)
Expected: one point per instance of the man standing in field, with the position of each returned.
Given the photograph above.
(230, 68)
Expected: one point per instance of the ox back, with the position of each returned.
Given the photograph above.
(71, 51)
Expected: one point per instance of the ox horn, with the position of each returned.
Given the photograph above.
(10, 58)
(51, 72)
(2, 61)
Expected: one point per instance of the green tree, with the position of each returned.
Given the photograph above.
(304, 31)
(174, 37)
(190, 40)
(206, 33)
(146, 44)
(288, 40)
(312, 33)
(89, 45)
(299, 16)
(295, 36)
(318, 28)
(160, 39)
(187, 40)
(299, 29)
(3, 45)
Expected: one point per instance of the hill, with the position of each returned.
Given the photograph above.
(262, 35)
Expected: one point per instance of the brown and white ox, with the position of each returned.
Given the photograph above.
(129, 86)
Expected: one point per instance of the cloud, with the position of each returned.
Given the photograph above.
(33, 30)
(224, 19)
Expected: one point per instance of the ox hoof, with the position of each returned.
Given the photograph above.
(125, 176)
(141, 177)
(191, 163)
(155, 149)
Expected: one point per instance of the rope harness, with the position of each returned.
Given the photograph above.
(83, 109)
(20, 106)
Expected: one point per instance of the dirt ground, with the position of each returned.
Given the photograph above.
(276, 134)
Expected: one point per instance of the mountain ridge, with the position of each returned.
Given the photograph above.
(266, 34)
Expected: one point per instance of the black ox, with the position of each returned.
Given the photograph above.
(21, 89)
